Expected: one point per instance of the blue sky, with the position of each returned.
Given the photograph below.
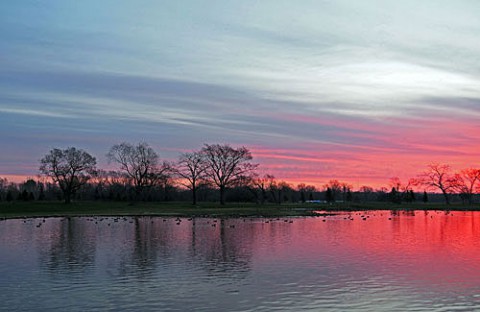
(354, 90)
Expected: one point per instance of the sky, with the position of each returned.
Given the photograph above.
(359, 91)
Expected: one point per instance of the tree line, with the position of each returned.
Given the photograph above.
(215, 172)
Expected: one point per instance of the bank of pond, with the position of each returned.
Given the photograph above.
(214, 209)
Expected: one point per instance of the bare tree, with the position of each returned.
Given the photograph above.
(111, 177)
(346, 191)
(262, 184)
(281, 191)
(304, 190)
(3, 188)
(395, 183)
(70, 168)
(190, 168)
(437, 176)
(404, 191)
(335, 187)
(141, 164)
(467, 182)
(274, 189)
(285, 191)
(402, 187)
(367, 192)
(111, 184)
(225, 165)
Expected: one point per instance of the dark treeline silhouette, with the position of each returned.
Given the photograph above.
(107, 187)
(215, 173)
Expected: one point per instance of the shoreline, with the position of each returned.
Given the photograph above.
(18, 210)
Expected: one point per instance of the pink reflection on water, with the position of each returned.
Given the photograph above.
(426, 249)
(413, 259)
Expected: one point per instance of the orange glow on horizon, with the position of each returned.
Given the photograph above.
(357, 151)
(370, 152)
(18, 178)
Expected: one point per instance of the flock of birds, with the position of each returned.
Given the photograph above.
(210, 220)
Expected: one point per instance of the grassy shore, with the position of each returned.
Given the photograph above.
(183, 209)
(177, 209)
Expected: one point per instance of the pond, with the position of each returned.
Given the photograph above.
(355, 261)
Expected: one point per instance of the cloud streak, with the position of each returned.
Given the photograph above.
(359, 91)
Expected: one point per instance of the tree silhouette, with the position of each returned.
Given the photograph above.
(437, 176)
(9, 197)
(70, 168)
(285, 191)
(140, 163)
(274, 189)
(425, 197)
(394, 196)
(367, 192)
(41, 191)
(410, 196)
(337, 188)
(262, 184)
(404, 191)
(466, 183)
(190, 168)
(304, 190)
(329, 197)
(225, 165)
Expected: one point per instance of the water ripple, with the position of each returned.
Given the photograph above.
(389, 262)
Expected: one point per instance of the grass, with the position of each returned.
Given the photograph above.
(99, 208)
(183, 209)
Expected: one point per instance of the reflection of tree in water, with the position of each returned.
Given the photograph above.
(71, 247)
(147, 244)
(145, 247)
(157, 245)
(407, 212)
(224, 252)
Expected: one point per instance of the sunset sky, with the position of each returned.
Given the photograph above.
(359, 91)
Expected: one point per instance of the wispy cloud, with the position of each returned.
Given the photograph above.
(346, 89)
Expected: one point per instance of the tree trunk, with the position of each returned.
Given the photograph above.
(447, 198)
(222, 195)
(138, 191)
(67, 197)
(194, 195)
(165, 191)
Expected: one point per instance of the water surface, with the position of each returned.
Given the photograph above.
(379, 260)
